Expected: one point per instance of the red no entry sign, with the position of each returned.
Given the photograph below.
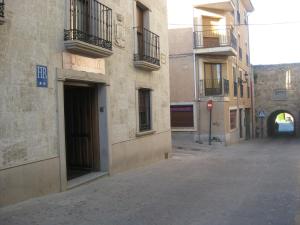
(210, 105)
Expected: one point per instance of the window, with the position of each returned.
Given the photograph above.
(147, 42)
(182, 116)
(245, 18)
(213, 79)
(241, 84)
(90, 22)
(235, 87)
(233, 116)
(288, 79)
(144, 109)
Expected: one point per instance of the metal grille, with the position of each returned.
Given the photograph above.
(241, 53)
(148, 45)
(213, 87)
(242, 90)
(1, 8)
(214, 38)
(235, 89)
(90, 22)
(226, 87)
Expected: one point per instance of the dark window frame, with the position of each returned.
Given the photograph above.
(233, 119)
(213, 87)
(145, 109)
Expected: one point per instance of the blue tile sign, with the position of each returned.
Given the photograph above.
(41, 76)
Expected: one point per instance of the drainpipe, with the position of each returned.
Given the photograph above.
(196, 84)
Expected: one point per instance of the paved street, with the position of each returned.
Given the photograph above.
(253, 183)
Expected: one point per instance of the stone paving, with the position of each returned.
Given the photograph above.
(252, 183)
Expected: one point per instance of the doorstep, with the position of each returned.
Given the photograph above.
(85, 179)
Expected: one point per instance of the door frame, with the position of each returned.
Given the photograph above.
(103, 108)
(94, 127)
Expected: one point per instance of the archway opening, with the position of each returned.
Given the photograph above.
(281, 123)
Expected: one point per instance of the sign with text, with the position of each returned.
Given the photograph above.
(41, 76)
(83, 64)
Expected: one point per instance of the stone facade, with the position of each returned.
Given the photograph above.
(192, 48)
(32, 119)
(277, 88)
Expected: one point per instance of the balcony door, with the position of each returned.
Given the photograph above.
(213, 79)
(140, 29)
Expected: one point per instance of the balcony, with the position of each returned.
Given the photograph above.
(223, 5)
(1, 11)
(90, 30)
(215, 42)
(147, 54)
(214, 87)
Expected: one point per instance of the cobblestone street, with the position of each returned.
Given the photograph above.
(255, 183)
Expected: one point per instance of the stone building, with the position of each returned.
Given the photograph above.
(84, 92)
(277, 90)
(211, 61)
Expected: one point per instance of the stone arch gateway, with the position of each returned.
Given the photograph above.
(277, 90)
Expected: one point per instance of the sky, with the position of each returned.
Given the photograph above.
(274, 28)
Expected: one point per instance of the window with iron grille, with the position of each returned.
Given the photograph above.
(235, 85)
(241, 53)
(248, 91)
(238, 17)
(1, 8)
(233, 117)
(144, 109)
(241, 89)
(213, 79)
(226, 87)
(90, 22)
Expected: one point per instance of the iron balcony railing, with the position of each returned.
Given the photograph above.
(215, 38)
(247, 60)
(211, 87)
(235, 89)
(241, 90)
(2, 8)
(226, 87)
(148, 46)
(241, 53)
(90, 22)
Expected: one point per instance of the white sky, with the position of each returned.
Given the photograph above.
(269, 44)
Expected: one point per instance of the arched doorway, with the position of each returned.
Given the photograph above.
(281, 123)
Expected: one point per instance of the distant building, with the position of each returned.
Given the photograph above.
(277, 90)
(84, 92)
(211, 61)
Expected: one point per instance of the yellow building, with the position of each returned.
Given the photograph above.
(210, 61)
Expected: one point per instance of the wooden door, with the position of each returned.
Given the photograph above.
(81, 128)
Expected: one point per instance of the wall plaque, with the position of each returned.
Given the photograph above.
(81, 63)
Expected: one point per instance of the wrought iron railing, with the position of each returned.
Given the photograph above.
(148, 46)
(248, 92)
(211, 87)
(238, 17)
(90, 22)
(226, 87)
(214, 38)
(235, 89)
(247, 60)
(241, 53)
(1, 8)
(241, 90)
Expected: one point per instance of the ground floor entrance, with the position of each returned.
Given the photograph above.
(81, 129)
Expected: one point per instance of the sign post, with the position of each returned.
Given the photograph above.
(209, 108)
(261, 116)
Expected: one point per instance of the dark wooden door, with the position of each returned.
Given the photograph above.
(247, 123)
(81, 125)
